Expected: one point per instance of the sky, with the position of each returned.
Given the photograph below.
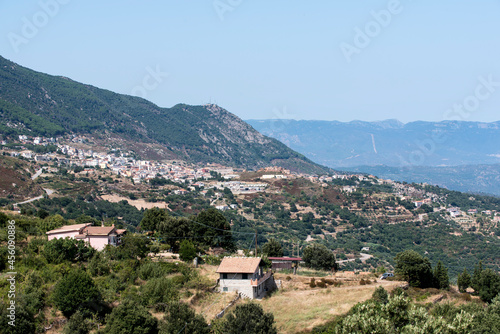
(326, 60)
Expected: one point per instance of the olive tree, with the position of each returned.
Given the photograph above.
(318, 256)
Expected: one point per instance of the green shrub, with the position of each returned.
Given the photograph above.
(98, 265)
(77, 324)
(312, 284)
(179, 280)
(130, 318)
(179, 317)
(59, 250)
(25, 321)
(399, 292)
(76, 291)
(159, 292)
(380, 295)
(212, 260)
(249, 318)
(187, 251)
(151, 270)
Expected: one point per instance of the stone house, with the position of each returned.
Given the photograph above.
(246, 276)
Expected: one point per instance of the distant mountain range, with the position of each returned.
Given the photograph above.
(391, 143)
(484, 179)
(461, 156)
(38, 104)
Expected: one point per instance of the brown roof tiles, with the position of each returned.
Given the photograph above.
(239, 265)
(68, 228)
(98, 230)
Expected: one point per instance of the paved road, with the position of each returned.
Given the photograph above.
(31, 200)
(47, 190)
(37, 174)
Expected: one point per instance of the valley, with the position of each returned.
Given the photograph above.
(117, 214)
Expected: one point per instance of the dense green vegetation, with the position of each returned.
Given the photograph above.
(71, 208)
(208, 229)
(436, 241)
(83, 284)
(344, 222)
(125, 286)
(399, 314)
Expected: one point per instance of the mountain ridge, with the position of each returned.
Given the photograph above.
(459, 155)
(35, 103)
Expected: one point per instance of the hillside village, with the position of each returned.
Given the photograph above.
(125, 164)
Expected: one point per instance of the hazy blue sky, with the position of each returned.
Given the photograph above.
(273, 59)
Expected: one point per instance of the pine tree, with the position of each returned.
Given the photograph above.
(463, 281)
(476, 276)
(441, 276)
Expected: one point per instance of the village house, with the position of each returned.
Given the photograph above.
(454, 212)
(246, 276)
(222, 207)
(95, 236)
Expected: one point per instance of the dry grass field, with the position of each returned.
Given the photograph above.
(138, 203)
(297, 306)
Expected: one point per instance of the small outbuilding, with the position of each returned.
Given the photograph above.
(288, 263)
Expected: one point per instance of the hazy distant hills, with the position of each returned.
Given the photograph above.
(391, 143)
(462, 156)
(34, 103)
(467, 178)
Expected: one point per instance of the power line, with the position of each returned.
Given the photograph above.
(195, 237)
(214, 228)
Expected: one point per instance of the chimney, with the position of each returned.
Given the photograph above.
(102, 224)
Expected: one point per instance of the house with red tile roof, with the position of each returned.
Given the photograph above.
(95, 236)
(246, 276)
(66, 231)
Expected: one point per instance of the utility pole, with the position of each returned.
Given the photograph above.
(255, 242)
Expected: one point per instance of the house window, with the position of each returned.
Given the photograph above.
(244, 276)
(224, 276)
(224, 289)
